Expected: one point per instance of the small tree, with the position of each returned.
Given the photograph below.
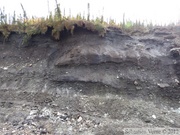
(58, 11)
(3, 16)
(88, 15)
(14, 18)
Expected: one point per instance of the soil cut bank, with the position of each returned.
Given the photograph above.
(86, 84)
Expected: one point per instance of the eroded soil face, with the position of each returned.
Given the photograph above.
(89, 85)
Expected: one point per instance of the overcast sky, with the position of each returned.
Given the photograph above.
(158, 11)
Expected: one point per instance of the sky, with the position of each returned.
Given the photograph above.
(156, 11)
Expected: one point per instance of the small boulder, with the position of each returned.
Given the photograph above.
(163, 85)
(175, 52)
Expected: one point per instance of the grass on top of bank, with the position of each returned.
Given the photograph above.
(58, 23)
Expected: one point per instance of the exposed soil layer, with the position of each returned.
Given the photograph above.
(89, 85)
